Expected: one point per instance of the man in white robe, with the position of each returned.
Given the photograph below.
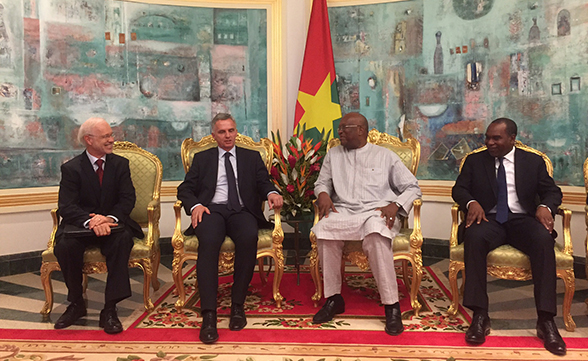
(361, 189)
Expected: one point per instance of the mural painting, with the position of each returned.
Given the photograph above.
(157, 73)
(442, 70)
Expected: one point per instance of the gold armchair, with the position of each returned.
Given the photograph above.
(406, 245)
(146, 173)
(270, 240)
(506, 262)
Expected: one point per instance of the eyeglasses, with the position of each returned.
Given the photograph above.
(345, 128)
(103, 137)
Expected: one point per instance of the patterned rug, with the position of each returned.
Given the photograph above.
(364, 312)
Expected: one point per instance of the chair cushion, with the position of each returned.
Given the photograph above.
(507, 255)
(401, 243)
(264, 242)
(93, 254)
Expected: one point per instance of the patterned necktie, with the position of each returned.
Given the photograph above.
(100, 171)
(233, 202)
(502, 201)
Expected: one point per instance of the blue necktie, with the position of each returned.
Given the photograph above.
(502, 201)
(233, 201)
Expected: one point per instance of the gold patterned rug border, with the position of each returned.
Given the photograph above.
(302, 350)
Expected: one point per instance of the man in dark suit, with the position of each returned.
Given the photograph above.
(509, 198)
(96, 197)
(223, 193)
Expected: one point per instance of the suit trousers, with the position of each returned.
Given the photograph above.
(524, 233)
(116, 247)
(242, 228)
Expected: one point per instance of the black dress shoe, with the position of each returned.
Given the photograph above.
(74, 312)
(479, 329)
(547, 331)
(394, 325)
(238, 319)
(208, 333)
(333, 306)
(109, 321)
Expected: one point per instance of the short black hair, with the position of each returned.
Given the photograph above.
(511, 126)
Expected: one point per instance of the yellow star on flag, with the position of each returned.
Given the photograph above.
(319, 110)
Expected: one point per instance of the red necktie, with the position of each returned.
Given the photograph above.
(100, 171)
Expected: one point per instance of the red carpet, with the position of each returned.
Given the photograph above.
(289, 331)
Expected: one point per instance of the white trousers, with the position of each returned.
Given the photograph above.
(377, 248)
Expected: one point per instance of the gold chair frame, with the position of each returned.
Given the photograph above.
(356, 256)
(226, 259)
(514, 272)
(149, 265)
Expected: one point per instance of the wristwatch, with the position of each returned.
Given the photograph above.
(398, 205)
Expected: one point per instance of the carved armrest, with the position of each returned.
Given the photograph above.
(454, 225)
(416, 238)
(565, 225)
(153, 215)
(178, 237)
(55, 217)
(278, 232)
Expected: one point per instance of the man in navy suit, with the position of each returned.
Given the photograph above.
(509, 198)
(223, 193)
(96, 197)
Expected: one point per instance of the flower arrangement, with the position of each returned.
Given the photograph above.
(295, 169)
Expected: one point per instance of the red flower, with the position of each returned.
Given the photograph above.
(309, 193)
(292, 161)
(315, 168)
(274, 172)
(290, 188)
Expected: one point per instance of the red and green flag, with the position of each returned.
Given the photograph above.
(317, 105)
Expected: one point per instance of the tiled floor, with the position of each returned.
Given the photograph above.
(512, 307)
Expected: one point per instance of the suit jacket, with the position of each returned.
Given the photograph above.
(80, 193)
(534, 186)
(199, 184)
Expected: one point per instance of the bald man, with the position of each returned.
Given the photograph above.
(96, 197)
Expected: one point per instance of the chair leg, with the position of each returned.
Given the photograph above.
(179, 283)
(462, 287)
(407, 282)
(46, 270)
(569, 281)
(147, 273)
(417, 275)
(155, 261)
(278, 273)
(314, 272)
(454, 268)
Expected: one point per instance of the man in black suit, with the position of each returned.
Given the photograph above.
(223, 193)
(96, 197)
(510, 199)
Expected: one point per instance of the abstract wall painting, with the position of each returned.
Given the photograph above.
(157, 73)
(441, 71)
